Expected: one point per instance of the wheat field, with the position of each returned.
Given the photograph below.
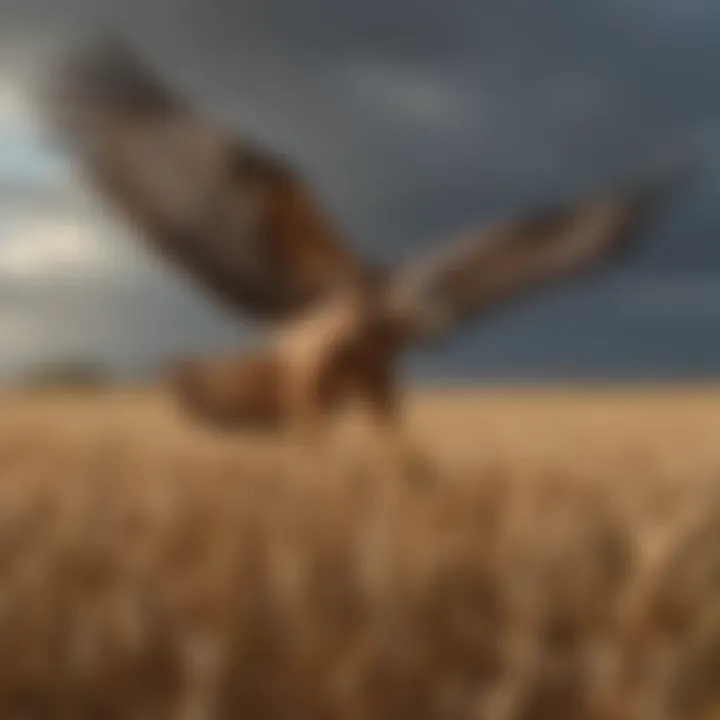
(563, 562)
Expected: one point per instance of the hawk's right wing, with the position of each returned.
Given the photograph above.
(233, 216)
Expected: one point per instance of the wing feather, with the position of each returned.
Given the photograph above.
(511, 258)
(235, 217)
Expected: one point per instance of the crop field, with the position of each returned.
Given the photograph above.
(562, 561)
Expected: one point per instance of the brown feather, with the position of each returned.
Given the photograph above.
(509, 259)
(232, 215)
(230, 393)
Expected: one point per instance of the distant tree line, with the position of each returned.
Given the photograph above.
(66, 374)
(85, 373)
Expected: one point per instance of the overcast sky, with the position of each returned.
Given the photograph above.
(411, 118)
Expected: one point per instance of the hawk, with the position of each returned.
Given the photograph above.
(245, 225)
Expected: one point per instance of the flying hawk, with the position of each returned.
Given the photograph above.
(244, 224)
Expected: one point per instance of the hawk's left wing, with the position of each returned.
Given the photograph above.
(512, 258)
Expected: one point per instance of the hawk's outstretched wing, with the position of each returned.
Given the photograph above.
(511, 258)
(233, 216)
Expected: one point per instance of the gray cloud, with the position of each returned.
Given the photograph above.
(414, 118)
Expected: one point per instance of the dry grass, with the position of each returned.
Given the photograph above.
(566, 564)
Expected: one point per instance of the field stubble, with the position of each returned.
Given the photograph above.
(564, 564)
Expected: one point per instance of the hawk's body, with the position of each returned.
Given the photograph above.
(247, 228)
(312, 368)
(233, 394)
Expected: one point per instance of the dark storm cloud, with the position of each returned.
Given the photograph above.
(414, 118)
